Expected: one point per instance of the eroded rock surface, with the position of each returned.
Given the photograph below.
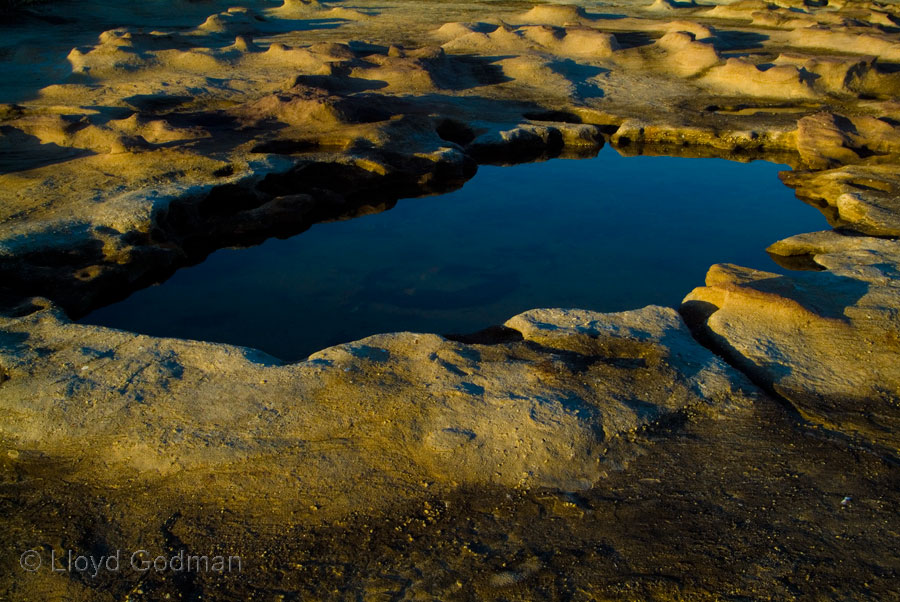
(828, 342)
(103, 169)
(567, 455)
(863, 198)
(385, 413)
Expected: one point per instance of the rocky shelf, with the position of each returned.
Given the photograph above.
(743, 446)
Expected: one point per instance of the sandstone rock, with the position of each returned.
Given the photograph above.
(826, 139)
(687, 57)
(360, 421)
(698, 30)
(637, 132)
(794, 15)
(666, 6)
(865, 198)
(740, 76)
(150, 145)
(306, 9)
(532, 141)
(836, 75)
(846, 41)
(828, 342)
(742, 9)
(678, 52)
(572, 41)
(588, 43)
(554, 14)
(234, 21)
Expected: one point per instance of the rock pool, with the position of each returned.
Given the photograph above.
(608, 234)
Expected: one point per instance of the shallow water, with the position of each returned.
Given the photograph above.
(607, 234)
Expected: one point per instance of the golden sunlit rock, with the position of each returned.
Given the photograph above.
(742, 446)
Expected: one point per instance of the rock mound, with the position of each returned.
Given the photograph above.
(359, 423)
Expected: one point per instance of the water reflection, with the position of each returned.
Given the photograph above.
(608, 234)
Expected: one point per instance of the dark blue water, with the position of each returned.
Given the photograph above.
(607, 234)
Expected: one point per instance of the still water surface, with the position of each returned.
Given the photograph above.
(607, 234)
